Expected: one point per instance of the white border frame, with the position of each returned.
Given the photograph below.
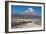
(25, 29)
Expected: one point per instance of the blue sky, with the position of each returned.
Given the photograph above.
(20, 9)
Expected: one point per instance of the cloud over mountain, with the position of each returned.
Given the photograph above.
(30, 11)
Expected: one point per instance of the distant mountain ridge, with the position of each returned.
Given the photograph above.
(24, 16)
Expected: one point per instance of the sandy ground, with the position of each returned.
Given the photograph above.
(28, 25)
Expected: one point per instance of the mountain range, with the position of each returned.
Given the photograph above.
(29, 13)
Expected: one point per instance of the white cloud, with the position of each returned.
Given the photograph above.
(29, 10)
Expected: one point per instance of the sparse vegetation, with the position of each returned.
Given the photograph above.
(20, 23)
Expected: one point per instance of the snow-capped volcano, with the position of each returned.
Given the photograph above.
(29, 11)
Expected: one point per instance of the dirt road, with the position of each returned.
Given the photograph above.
(28, 25)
